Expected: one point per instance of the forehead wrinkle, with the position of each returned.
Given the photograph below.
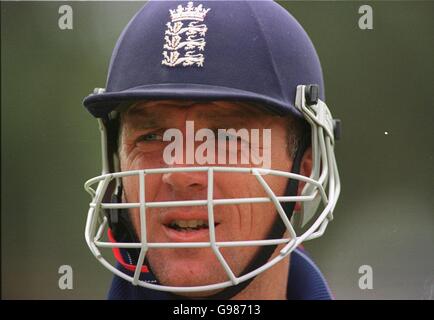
(138, 120)
(222, 122)
(236, 119)
(220, 114)
(238, 113)
(144, 117)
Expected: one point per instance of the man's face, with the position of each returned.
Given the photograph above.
(142, 147)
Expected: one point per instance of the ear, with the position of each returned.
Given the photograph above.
(305, 170)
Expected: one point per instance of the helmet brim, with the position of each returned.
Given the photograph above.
(101, 104)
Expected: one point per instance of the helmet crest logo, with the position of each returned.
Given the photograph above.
(183, 39)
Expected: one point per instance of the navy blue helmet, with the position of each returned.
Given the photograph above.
(229, 50)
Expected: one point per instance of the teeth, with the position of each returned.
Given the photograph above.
(188, 223)
(182, 223)
(194, 223)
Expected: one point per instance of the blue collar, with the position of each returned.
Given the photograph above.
(305, 282)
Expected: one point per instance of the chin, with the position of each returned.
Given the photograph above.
(186, 267)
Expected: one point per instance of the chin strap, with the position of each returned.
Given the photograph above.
(123, 230)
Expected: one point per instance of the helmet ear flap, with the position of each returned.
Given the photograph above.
(114, 192)
(119, 219)
(112, 127)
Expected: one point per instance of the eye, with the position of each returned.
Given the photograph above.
(150, 137)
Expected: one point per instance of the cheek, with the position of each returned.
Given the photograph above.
(153, 192)
(131, 183)
(256, 219)
(281, 161)
(247, 221)
(132, 189)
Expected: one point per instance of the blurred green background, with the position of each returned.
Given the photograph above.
(377, 81)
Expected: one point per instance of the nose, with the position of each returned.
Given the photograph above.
(186, 181)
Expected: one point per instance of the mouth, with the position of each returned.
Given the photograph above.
(188, 225)
(187, 230)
